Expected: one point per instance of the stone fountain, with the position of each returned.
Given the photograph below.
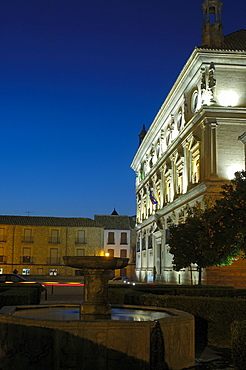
(96, 271)
(95, 336)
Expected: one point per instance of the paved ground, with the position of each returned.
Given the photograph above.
(207, 358)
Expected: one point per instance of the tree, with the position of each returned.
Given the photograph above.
(231, 211)
(213, 236)
(195, 242)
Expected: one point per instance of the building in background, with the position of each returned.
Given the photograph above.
(194, 145)
(120, 240)
(36, 245)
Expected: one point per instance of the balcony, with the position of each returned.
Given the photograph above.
(53, 261)
(54, 240)
(80, 241)
(27, 239)
(26, 259)
(3, 259)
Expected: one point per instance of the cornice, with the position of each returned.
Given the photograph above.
(183, 200)
(199, 56)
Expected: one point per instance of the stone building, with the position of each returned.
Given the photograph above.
(120, 239)
(194, 145)
(36, 245)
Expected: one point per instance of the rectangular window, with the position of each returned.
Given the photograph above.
(111, 252)
(54, 256)
(80, 237)
(123, 238)
(2, 235)
(149, 241)
(143, 244)
(123, 253)
(27, 236)
(26, 255)
(54, 238)
(138, 246)
(1, 254)
(167, 235)
(110, 238)
(80, 252)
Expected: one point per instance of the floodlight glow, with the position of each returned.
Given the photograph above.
(231, 171)
(228, 98)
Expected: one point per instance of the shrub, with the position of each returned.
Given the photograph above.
(215, 314)
(238, 333)
(19, 294)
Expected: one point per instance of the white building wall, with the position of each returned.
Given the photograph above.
(117, 246)
(190, 150)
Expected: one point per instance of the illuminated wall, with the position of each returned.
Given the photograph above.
(39, 249)
(189, 151)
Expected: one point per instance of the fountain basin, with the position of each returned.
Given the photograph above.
(95, 262)
(166, 339)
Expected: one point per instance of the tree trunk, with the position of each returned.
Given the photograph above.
(199, 275)
(191, 277)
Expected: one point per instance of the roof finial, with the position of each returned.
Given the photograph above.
(114, 213)
(212, 23)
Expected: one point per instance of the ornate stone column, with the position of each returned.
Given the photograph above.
(210, 149)
(185, 145)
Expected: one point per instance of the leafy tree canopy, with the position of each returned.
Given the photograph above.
(216, 235)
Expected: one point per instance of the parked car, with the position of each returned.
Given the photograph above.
(119, 279)
(15, 278)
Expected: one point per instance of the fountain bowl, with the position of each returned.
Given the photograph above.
(95, 262)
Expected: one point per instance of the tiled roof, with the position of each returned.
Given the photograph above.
(234, 41)
(114, 222)
(48, 221)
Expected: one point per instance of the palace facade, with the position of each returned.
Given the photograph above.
(194, 145)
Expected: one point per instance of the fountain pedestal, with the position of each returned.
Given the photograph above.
(95, 293)
(96, 271)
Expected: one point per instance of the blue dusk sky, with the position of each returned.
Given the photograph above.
(78, 80)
